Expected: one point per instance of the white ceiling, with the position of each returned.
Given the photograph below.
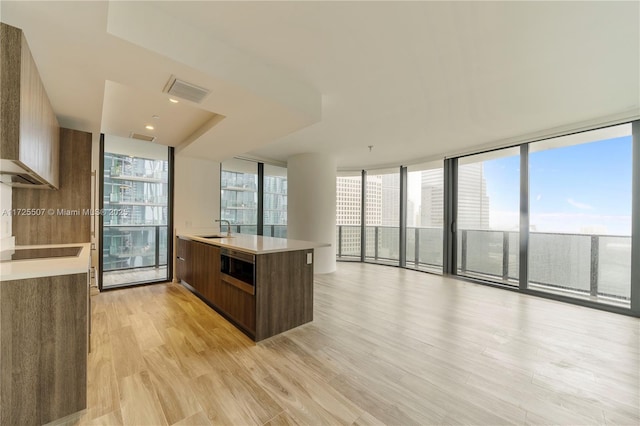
(417, 80)
(171, 122)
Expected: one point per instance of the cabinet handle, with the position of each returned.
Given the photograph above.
(228, 279)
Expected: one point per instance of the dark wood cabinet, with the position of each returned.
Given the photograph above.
(284, 296)
(73, 195)
(184, 267)
(281, 299)
(43, 342)
(236, 303)
(29, 136)
(205, 266)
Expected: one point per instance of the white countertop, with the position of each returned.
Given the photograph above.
(34, 268)
(256, 244)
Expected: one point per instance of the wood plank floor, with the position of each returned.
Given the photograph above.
(387, 346)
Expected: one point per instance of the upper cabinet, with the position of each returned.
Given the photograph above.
(29, 133)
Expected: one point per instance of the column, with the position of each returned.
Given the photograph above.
(311, 211)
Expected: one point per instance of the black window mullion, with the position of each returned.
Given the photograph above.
(170, 210)
(100, 196)
(524, 217)
(260, 221)
(449, 253)
(363, 217)
(635, 221)
(403, 218)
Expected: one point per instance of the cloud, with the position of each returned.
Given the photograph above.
(539, 197)
(578, 205)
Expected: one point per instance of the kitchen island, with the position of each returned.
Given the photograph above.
(263, 285)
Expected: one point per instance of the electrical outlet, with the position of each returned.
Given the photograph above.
(309, 258)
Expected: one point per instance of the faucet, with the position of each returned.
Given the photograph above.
(228, 226)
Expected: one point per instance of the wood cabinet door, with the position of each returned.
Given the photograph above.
(180, 269)
(212, 272)
(184, 263)
(238, 304)
(199, 266)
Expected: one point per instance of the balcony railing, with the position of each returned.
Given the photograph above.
(134, 246)
(590, 265)
(382, 245)
(278, 231)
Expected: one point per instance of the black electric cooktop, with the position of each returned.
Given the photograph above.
(42, 253)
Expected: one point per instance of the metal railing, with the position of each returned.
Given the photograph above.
(592, 265)
(134, 246)
(382, 245)
(278, 231)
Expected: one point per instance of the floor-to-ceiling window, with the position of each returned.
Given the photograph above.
(135, 237)
(239, 195)
(382, 214)
(425, 216)
(553, 217)
(253, 197)
(348, 216)
(488, 213)
(275, 201)
(580, 215)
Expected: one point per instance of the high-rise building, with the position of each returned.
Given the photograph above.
(136, 210)
(473, 201)
(382, 206)
(348, 212)
(390, 199)
(275, 200)
(239, 197)
(348, 200)
(411, 213)
(432, 198)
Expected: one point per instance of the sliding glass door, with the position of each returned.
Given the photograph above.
(552, 217)
(135, 237)
(580, 215)
(488, 220)
(425, 216)
(349, 216)
(382, 213)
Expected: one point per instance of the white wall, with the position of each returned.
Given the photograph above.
(311, 205)
(197, 195)
(6, 235)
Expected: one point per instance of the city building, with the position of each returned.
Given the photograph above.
(432, 198)
(473, 201)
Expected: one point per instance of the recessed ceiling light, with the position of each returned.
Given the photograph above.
(173, 101)
(148, 127)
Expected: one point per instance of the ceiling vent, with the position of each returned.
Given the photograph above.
(142, 137)
(184, 90)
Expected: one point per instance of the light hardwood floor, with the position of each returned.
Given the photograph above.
(387, 346)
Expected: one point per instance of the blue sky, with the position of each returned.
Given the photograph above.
(575, 189)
